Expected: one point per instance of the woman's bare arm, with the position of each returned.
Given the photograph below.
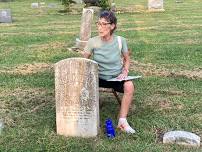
(126, 65)
(126, 61)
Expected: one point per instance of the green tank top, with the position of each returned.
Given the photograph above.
(107, 55)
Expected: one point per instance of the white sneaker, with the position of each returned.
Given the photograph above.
(124, 126)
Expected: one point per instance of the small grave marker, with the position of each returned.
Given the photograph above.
(5, 16)
(181, 138)
(35, 5)
(155, 5)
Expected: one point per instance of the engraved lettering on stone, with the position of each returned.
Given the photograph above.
(77, 107)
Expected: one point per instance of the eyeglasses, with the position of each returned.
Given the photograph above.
(102, 24)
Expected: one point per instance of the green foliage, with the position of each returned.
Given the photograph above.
(66, 4)
(105, 4)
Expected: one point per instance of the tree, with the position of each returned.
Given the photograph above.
(66, 4)
(104, 4)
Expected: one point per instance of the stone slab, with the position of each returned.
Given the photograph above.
(181, 138)
(77, 97)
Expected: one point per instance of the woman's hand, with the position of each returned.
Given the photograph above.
(123, 75)
(86, 54)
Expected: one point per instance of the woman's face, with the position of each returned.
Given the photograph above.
(104, 27)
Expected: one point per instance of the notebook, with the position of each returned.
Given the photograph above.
(126, 78)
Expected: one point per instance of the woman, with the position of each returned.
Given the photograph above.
(106, 51)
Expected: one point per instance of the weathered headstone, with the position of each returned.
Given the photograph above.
(35, 5)
(5, 16)
(181, 138)
(77, 97)
(1, 126)
(85, 30)
(52, 5)
(155, 5)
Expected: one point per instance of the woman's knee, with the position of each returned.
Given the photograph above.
(129, 87)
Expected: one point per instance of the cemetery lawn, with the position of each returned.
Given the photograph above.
(166, 50)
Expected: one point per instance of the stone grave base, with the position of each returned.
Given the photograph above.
(80, 44)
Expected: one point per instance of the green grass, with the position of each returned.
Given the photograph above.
(160, 42)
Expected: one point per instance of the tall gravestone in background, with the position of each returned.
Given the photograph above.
(77, 97)
(85, 30)
(5, 16)
(155, 5)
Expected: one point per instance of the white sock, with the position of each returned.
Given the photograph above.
(124, 126)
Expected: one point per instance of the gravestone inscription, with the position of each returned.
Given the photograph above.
(5, 16)
(77, 97)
